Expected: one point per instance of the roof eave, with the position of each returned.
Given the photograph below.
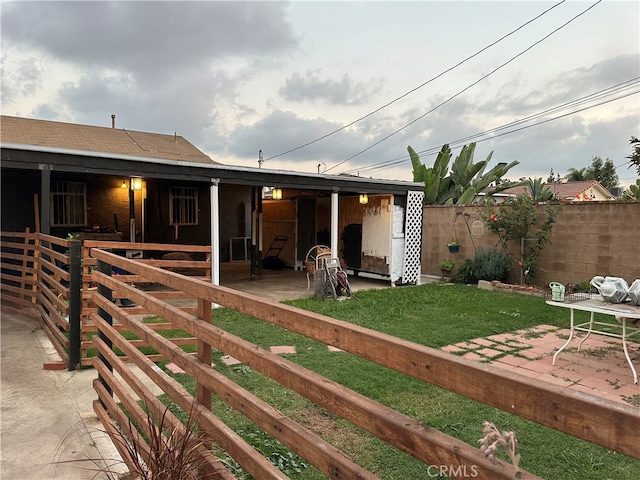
(283, 178)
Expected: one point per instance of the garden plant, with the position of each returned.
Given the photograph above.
(521, 230)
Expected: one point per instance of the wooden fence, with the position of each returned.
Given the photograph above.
(37, 281)
(49, 278)
(18, 272)
(176, 258)
(612, 425)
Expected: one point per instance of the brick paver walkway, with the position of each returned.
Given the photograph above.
(600, 368)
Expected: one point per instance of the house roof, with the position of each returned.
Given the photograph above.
(88, 138)
(571, 190)
(40, 144)
(568, 190)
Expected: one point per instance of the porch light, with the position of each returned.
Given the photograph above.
(276, 194)
(364, 198)
(124, 184)
(136, 183)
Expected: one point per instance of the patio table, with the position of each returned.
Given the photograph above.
(626, 314)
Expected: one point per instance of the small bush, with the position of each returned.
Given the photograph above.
(464, 274)
(582, 287)
(490, 265)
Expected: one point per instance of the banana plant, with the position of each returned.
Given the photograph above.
(634, 191)
(465, 181)
(437, 186)
(539, 191)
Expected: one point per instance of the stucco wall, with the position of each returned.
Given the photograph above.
(588, 239)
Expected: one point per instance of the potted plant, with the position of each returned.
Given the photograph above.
(446, 265)
(453, 246)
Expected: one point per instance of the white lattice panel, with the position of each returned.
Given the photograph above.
(413, 237)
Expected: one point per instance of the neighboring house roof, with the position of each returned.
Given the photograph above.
(586, 190)
(580, 191)
(88, 138)
(513, 191)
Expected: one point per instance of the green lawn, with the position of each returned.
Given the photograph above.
(435, 315)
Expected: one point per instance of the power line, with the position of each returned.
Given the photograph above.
(615, 89)
(455, 144)
(466, 88)
(433, 150)
(416, 88)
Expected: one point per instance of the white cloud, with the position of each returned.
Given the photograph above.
(236, 77)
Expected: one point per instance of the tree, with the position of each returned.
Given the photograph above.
(634, 158)
(604, 172)
(522, 228)
(576, 175)
(465, 181)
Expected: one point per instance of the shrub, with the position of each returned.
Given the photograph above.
(490, 265)
(464, 274)
(582, 287)
(518, 220)
(446, 264)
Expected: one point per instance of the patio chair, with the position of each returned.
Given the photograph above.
(314, 260)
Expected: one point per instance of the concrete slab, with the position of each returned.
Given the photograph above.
(280, 349)
(47, 427)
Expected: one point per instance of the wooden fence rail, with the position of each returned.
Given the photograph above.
(606, 423)
(171, 257)
(49, 278)
(18, 275)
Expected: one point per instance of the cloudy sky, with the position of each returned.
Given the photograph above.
(339, 87)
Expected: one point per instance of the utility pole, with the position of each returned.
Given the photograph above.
(260, 159)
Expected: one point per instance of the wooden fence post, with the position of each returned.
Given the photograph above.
(204, 352)
(75, 299)
(106, 292)
(203, 393)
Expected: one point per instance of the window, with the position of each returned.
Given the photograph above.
(183, 206)
(68, 204)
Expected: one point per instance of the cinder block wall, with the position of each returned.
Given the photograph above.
(588, 239)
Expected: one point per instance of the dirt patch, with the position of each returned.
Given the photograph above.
(333, 429)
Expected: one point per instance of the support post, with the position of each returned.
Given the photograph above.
(45, 197)
(254, 235)
(334, 224)
(215, 232)
(75, 298)
(132, 213)
(259, 231)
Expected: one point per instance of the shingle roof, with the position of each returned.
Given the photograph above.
(119, 141)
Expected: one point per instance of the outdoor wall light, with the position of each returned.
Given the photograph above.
(136, 183)
(364, 198)
(124, 184)
(276, 194)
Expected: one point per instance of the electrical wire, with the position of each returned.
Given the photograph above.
(466, 88)
(416, 88)
(618, 89)
(404, 159)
